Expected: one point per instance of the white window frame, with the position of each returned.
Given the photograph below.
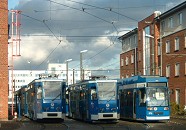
(122, 61)
(132, 58)
(170, 22)
(168, 71)
(127, 60)
(127, 75)
(177, 43)
(168, 46)
(185, 67)
(177, 69)
(185, 40)
(177, 94)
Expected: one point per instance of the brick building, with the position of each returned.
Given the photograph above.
(4, 60)
(161, 49)
(173, 39)
(128, 57)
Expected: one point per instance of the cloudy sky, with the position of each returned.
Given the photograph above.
(53, 31)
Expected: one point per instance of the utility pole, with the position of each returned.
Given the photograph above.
(15, 41)
(81, 64)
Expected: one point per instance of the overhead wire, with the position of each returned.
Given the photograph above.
(104, 9)
(83, 10)
(58, 38)
(97, 53)
(43, 21)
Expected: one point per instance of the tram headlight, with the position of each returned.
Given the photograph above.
(166, 108)
(150, 108)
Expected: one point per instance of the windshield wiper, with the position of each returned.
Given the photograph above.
(56, 97)
(110, 98)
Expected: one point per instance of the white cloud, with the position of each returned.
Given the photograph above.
(79, 29)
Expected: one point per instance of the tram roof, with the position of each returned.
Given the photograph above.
(142, 79)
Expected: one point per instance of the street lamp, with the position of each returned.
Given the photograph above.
(29, 62)
(81, 64)
(67, 69)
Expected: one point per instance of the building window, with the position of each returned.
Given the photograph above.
(129, 41)
(168, 71)
(127, 61)
(159, 70)
(185, 67)
(185, 40)
(135, 40)
(159, 49)
(167, 46)
(177, 69)
(162, 26)
(180, 18)
(53, 69)
(132, 58)
(139, 56)
(170, 22)
(122, 62)
(176, 44)
(177, 96)
(127, 75)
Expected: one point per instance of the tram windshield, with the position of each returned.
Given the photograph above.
(51, 89)
(157, 96)
(106, 90)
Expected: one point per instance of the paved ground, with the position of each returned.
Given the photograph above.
(15, 124)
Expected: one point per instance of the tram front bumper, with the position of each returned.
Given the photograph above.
(157, 117)
(102, 116)
(50, 115)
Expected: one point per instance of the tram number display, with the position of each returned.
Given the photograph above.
(156, 84)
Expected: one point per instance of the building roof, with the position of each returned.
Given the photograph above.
(134, 31)
(172, 10)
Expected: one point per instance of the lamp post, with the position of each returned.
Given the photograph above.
(67, 69)
(81, 64)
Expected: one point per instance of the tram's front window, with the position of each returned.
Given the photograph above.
(157, 96)
(106, 90)
(51, 89)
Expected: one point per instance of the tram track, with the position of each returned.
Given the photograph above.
(113, 126)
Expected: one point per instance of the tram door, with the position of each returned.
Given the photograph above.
(134, 104)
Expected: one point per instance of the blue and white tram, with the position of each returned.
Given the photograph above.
(94, 100)
(144, 98)
(46, 98)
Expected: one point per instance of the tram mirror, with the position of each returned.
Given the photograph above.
(93, 94)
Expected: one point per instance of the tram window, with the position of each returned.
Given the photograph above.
(142, 97)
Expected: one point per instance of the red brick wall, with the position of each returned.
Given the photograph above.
(149, 21)
(4, 60)
(127, 69)
(176, 82)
